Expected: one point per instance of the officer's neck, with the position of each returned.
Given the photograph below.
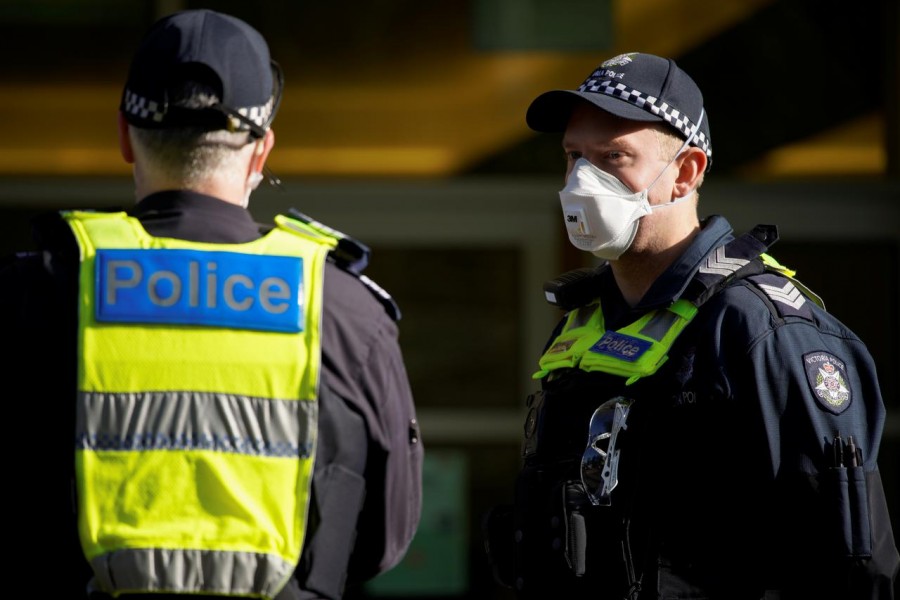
(635, 272)
(633, 278)
(226, 185)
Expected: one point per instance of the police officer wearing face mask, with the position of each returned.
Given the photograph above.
(703, 427)
(203, 405)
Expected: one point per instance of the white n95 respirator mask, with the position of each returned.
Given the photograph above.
(601, 213)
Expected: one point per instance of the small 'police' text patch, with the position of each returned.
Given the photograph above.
(198, 287)
(827, 376)
(621, 346)
(560, 347)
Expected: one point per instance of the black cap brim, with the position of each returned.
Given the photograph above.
(550, 112)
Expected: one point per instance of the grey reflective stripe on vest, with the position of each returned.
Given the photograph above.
(659, 324)
(583, 315)
(195, 421)
(226, 573)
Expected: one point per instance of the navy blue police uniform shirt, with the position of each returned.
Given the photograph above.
(725, 464)
(366, 422)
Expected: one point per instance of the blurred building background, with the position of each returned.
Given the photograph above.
(403, 125)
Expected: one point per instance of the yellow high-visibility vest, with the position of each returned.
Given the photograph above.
(635, 351)
(198, 371)
(641, 348)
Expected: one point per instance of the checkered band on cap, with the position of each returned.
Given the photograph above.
(142, 107)
(146, 109)
(257, 114)
(649, 103)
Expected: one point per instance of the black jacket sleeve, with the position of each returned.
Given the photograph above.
(364, 366)
(37, 314)
(814, 386)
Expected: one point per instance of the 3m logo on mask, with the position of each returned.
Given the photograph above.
(576, 223)
(203, 288)
(623, 347)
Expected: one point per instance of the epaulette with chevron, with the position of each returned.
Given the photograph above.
(734, 260)
(745, 257)
(785, 297)
(787, 294)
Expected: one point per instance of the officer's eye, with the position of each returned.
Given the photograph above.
(573, 155)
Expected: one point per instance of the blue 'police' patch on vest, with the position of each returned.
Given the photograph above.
(198, 287)
(623, 347)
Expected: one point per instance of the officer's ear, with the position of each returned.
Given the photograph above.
(261, 149)
(691, 164)
(125, 140)
(264, 147)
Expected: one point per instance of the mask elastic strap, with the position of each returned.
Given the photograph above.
(694, 130)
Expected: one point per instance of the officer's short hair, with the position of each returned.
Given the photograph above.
(190, 154)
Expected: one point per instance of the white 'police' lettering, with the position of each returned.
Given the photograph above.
(272, 294)
(200, 287)
(621, 346)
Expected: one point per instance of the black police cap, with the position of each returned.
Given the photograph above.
(635, 86)
(212, 49)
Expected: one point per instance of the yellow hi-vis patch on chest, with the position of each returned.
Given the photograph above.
(199, 288)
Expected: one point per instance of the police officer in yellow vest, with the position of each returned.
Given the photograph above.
(243, 423)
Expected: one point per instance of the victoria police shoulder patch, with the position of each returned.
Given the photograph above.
(827, 376)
